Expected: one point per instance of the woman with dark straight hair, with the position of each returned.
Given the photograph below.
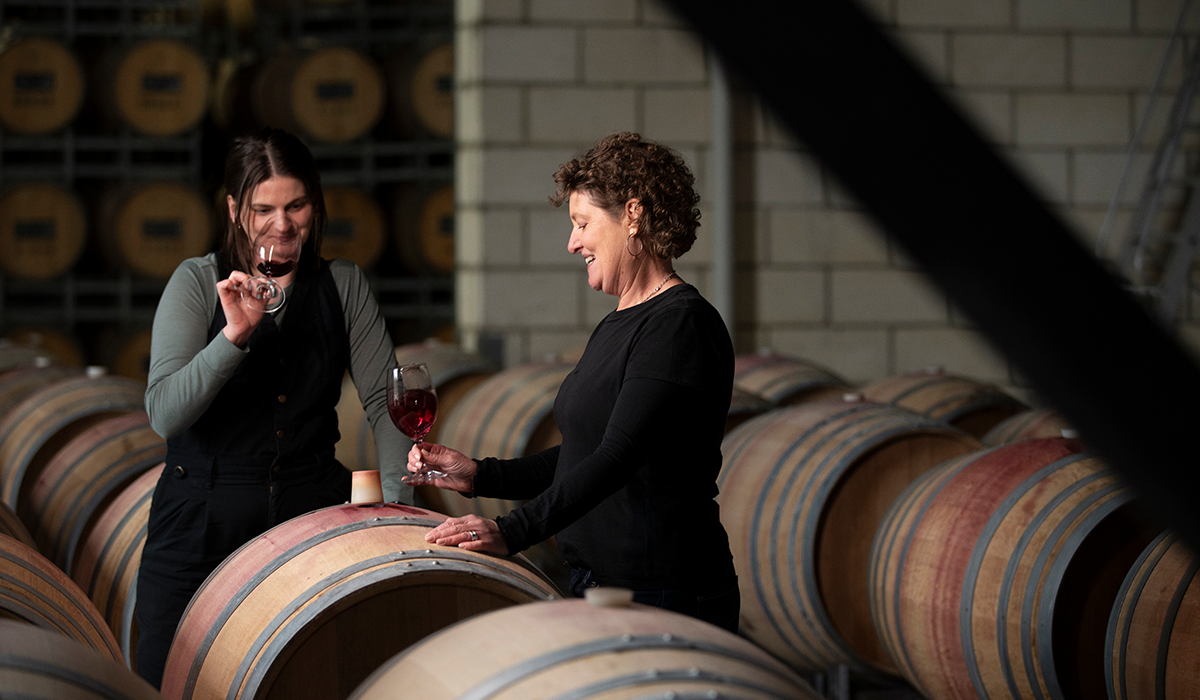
(245, 395)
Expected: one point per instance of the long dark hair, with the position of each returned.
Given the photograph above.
(258, 157)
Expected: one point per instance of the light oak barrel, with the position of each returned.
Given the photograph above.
(41, 86)
(62, 347)
(37, 664)
(126, 351)
(333, 94)
(158, 87)
(962, 402)
(802, 490)
(743, 406)
(1034, 423)
(12, 526)
(783, 379)
(83, 477)
(34, 590)
(994, 574)
(1153, 640)
(508, 415)
(574, 649)
(151, 228)
(421, 90)
(109, 559)
(46, 420)
(311, 607)
(356, 229)
(42, 230)
(17, 384)
(423, 228)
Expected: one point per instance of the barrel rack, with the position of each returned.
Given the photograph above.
(77, 156)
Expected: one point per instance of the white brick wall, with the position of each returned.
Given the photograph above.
(1058, 86)
(1009, 60)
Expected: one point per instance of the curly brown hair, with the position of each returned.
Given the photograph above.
(625, 166)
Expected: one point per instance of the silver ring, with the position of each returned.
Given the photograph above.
(474, 535)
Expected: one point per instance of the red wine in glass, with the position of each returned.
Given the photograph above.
(274, 256)
(413, 412)
(412, 406)
(277, 268)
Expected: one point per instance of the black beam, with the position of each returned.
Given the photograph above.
(877, 123)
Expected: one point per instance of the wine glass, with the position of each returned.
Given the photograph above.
(274, 256)
(412, 405)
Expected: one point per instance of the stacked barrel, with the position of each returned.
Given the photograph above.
(70, 443)
(114, 122)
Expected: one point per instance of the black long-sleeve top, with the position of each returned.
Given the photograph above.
(630, 491)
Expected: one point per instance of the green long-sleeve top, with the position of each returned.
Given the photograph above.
(187, 370)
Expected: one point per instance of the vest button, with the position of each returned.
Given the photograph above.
(278, 433)
(282, 398)
(276, 470)
(180, 472)
(283, 362)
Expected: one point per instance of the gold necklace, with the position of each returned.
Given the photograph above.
(660, 286)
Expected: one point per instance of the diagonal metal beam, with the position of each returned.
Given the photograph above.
(978, 230)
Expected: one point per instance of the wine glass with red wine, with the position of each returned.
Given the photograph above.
(412, 405)
(274, 256)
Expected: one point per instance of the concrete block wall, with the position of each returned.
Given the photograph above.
(1057, 85)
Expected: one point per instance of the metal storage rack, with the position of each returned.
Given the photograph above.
(122, 156)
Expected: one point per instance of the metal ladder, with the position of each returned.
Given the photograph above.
(1165, 292)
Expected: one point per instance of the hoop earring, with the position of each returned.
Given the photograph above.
(627, 239)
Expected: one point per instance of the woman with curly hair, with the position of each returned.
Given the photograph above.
(629, 492)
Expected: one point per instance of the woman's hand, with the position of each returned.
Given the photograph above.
(458, 468)
(470, 532)
(240, 320)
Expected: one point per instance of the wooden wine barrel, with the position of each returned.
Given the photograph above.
(46, 420)
(332, 94)
(61, 347)
(577, 649)
(151, 228)
(109, 559)
(423, 229)
(16, 384)
(784, 380)
(41, 86)
(12, 526)
(421, 90)
(1153, 641)
(1034, 423)
(802, 491)
(994, 574)
(355, 230)
(84, 476)
(311, 607)
(159, 87)
(14, 357)
(42, 231)
(454, 373)
(508, 415)
(34, 590)
(743, 406)
(964, 403)
(37, 664)
(229, 108)
(126, 352)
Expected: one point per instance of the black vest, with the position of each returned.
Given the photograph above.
(277, 412)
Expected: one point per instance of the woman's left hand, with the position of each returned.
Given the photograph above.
(470, 532)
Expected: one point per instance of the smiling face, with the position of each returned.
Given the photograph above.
(279, 209)
(600, 237)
